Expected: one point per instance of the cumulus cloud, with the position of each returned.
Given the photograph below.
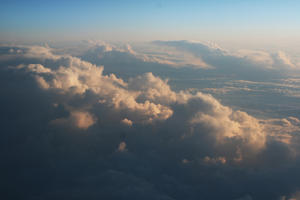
(145, 98)
(282, 60)
(217, 160)
(78, 119)
(229, 124)
(122, 147)
(101, 52)
(142, 140)
(153, 88)
(282, 129)
(127, 122)
(186, 57)
(239, 62)
(276, 61)
(73, 76)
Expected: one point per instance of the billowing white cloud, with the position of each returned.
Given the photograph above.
(153, 89)
(219, 58)
(78, 119)
(74, 76)
(168, 139)
(226, 123)
(281, 60)
(143, 99)
(282, 129)
(126, 122)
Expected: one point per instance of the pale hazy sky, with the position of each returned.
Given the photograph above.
(229, 22)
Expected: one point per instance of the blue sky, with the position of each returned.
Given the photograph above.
(149, 20)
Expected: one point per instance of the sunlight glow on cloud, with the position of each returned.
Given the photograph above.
(142, 123)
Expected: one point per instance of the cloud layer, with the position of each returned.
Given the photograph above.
(215, 56)
(70, 131)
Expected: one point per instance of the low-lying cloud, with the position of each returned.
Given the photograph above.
(70, 131)
(217, 57)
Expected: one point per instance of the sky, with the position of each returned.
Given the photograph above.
(152, 100)
(246, 21)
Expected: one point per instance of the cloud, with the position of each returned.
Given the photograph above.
(127, 122)
(74, 76)
(241, 62)
(294, 196)
(217, 160)
(78, 119)
(179, 58)
(122, 147)
(282, 60)
(70, 131)
(226, 123)
(101, 53)
(153, 88)
(282, 129)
